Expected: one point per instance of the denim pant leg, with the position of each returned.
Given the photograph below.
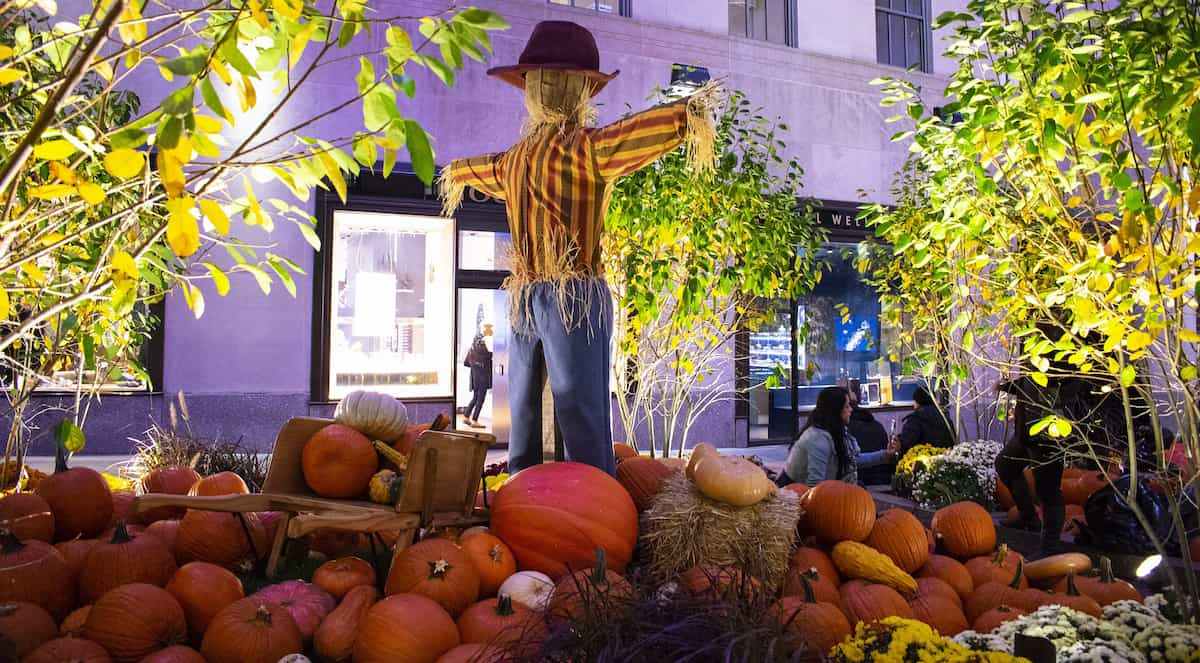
(524, 400)
(578, 362)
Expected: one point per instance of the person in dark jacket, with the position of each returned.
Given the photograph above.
(479, 360)
(1044, 458)
(926, 425)
(871, 436)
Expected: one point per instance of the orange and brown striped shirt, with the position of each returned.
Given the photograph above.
(556, 185)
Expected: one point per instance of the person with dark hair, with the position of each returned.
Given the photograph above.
(926, 425)
(479, 360)
(871, 436)
(1044, 458)
(825, 449)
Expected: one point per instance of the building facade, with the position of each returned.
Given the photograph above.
(254, 360)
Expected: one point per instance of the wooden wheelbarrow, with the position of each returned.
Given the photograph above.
(440, 486)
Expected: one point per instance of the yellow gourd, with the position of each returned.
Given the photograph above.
(395, 457)
(732, 480)
(699, 452)
(857, 560)
(385, 487)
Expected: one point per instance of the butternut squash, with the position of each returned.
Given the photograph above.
(699, 452)
(856, 560)
(1048, 570)
(334, 639)
(732, 480)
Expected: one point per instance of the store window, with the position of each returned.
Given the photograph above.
(902, 36)
(484, 251)
(765, 20)
(391, 306)
(621, 7)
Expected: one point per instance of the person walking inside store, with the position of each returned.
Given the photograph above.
(555, 182)
(926, 425)
(826, 449)
(479, 360)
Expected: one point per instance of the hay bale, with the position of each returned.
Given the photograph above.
(683, 528)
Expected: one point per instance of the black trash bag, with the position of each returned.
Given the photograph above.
(1112, 526)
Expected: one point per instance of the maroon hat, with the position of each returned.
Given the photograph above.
(561, 45)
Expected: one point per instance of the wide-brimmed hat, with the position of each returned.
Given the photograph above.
(561, 45)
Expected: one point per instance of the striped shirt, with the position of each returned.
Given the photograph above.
(557, 184)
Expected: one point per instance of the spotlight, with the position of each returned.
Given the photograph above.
(1148, 566)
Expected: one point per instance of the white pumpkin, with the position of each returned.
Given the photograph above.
(529, 588)
(378, 416)
(295, 658)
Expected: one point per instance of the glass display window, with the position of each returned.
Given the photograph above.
(485, 251)
(391, 308)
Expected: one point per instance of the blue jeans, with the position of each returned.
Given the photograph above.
(578, 359)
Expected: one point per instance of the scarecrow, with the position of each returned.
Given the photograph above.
(556, 182)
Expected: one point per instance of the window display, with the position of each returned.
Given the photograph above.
(391, 312)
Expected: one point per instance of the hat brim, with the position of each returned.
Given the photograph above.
(515, 74)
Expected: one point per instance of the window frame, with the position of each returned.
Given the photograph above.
(624, 7)
(791, 36)
(926, 20)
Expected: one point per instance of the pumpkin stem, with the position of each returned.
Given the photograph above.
(1001, 554)
(9, 543)
(600, 568)
(504, 605)
(495, 553)
(1106, 572)
(811, 572)
(1072, 590)
(121, 533)
(438, 568)
(1016, 581)
(60, 458)
(263, 614)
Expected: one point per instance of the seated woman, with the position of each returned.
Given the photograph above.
(826, 449)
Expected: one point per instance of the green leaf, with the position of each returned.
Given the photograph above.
(419, 150)
(1128, 375)
(1079, 16)
(230, 54)
(365, 151)
(400, 45)
(1134, 200)
(264, 279)
(285, 277)
(89, 352)
(1040, 378)
(366, 75)
(1093, 97)
(1193, 129)
(190, 64)
(211, 99)
(179, 102)
(379, 108)
(69, 436)
(220, 280)
(309, 234)
(439, 68)
(128, 138)
(168, 133)
(1188, 373)
(483, 19)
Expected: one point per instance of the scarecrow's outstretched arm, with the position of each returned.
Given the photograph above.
(481, 173)
(638, 140)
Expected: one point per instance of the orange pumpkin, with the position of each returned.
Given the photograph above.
(221, 483)
(122, 560)
(134, 621)
(74, 553)
(472, 653)
(998, 566)
(166, 480)
(339, 576)
(806, 557)
(212, 536)
(990, 620)
(438, 569)
(70, 650)
(720, 582)
(203, 590)
(493, 561)
(799, 488)
(823, 588)
(405, 628)
(1074, 600)
(964, 530)
(597, 588)
(166, 531)
(121, 511)
(339, 462)
(623, 451)
(251, 631)
(498, 622)
(838, 511)
(899, 535)
(334, 639)
(849, 587)
(554, 516)
(27, 516)
(72, 624)
(812, 625)
(1104, 587)
(951, 571)
(931, 586)
(80, 499)
(176, 654)
(32, 571)
(874, 602)
(26, 626)
(994, 593)
(1077, 491)
(943, 614)
(642, 478)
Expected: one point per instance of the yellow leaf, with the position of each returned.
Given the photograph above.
(54, 150)
(257, 12)
(131, 27)
(34, 273)
(182, 150)
(334, 173)
(50, 239)
(1189, 336)
(1137, 340)
(10, 75)
(170, 172)
(123, 269)
(247, 97)
(218, 65)
(92, 193)
(254, 213)
(124, 163)
(5, 52)
(3, 304)
(215, 215)
(104, 68)
(290, 8)
(209, 125)
(166, 74)
(52, 191)
(300, 41)
(183, 233)
(63, 172)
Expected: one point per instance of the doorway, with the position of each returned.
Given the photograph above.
(483, 315)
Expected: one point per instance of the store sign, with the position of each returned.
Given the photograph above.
(841, 217)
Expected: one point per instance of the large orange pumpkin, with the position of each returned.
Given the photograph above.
(26, 626)
(899, 535)
(472, 653)
(166, 531)
(1077, 491)
(952, 571)
(811, 624)
(33, 571)
(998, 566)
(990, 620)
(994, 593)
(1105, 587)
(874, 602)
(554, 516)
(339, 461)
(221, 483)
(80, 499)
(166, 480)
(134, 621)
(839, 511)
(203, 590)
(438, 569)
(599, 587)
(251, 631)
(122, 560)
(27, 516)
(642, 478)
(405, 628)
(930, 586)
(943, 614)
(806, 557)
(68, 650)
(212, 536)
(497, 622)
(121, 511)
(1074, 600)
(74, 553)
(964, 529)
(717, 582)
(176, 654)
(493, 561)
(339, 576)
(623, 451)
